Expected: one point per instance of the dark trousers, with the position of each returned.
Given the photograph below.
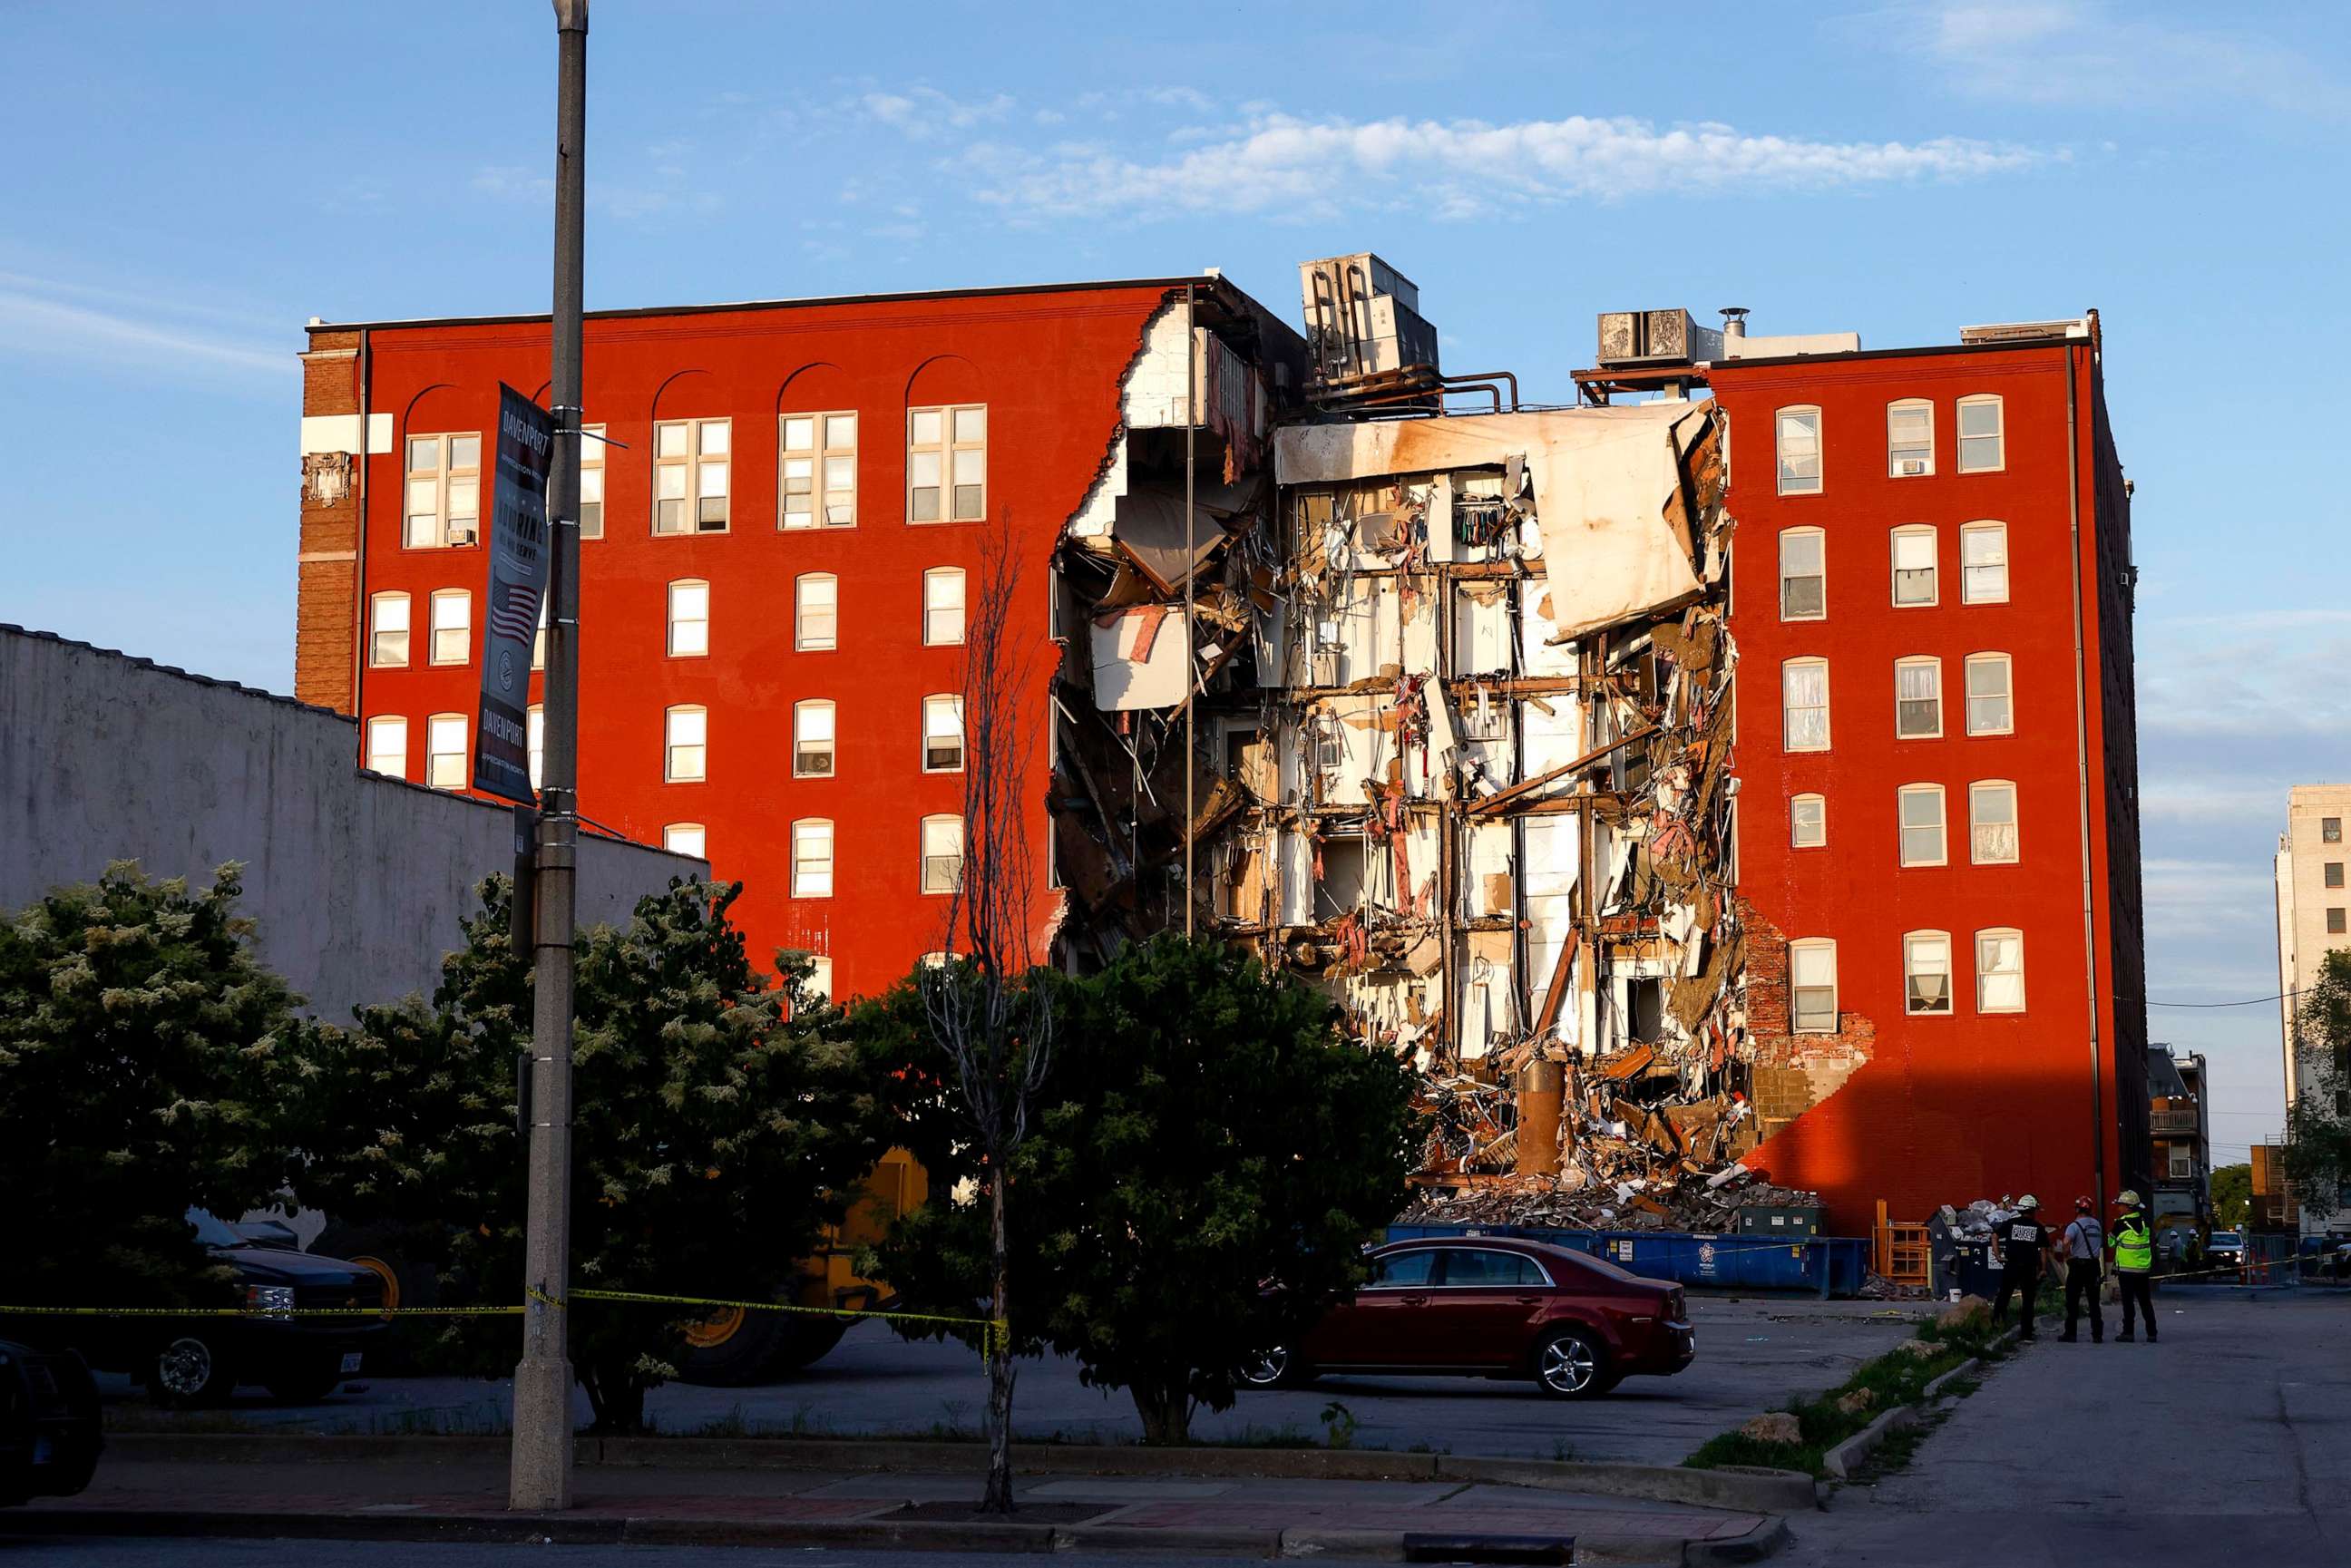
(2138, 1290)
(2082, 1297)
(2024, 1281)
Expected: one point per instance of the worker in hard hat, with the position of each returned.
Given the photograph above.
(2084, 1247)
(2133, 1246)
(2022, 1240)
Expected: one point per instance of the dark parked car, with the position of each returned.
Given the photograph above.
(1497, 1307)
(195, 1361)
(48, 1424)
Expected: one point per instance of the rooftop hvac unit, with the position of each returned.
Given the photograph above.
(1363, 315)
(1656, 336)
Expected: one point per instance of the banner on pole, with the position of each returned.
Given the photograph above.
(520, 552)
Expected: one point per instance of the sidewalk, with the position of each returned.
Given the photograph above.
(1236, 1517)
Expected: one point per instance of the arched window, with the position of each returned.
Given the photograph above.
(387, 747)
(1917, 698)
(689, 618)
(1926, 972)
(942, 854)
(943, 733)
(812, 858)
(1909, 438)
(1813, 986)
(1808, 821)
(2000, 970)
(943, 606)
(686, 839)
(947, 463)
(1914, 579)
(816, 613)
(1798, 442)
(1920, 808)
(1992, 822)
(686, 745)
(1984, 438)
(445, 751)
(1983, 563)
(452, 627)
(1991, 709)
(812, 739)
(818, 483)
(388, 631)
(692, 474)
(1804, 574)
(1804, 705)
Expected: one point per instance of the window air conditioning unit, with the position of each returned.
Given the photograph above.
(463, 535)
(1913, 465)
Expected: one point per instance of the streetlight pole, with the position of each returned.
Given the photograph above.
(539, 1479)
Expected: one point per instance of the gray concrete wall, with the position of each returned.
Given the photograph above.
(356, 880)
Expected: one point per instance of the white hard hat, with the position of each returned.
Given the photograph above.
(2028, 1201)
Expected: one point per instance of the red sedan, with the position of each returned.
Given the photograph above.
(1496, 1307)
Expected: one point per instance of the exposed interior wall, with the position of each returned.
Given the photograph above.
(356, 881)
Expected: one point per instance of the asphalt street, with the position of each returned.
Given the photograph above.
(2229, 1441)
(108, 1553)
(1753, 1353)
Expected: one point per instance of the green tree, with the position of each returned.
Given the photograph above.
(720, 1122)
(1210, 1157)
(2318, 1124)
(141, 1045)
(2233, 1196)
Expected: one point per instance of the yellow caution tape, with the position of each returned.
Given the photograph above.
(266, 1312)
(990, 1332)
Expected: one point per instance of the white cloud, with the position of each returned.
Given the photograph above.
(923, 112)
(132, 331)
(1279, 162)
(2090, 54)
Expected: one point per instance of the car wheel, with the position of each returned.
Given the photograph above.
(191, 1370)
(306, 1382)
(1276, 1368)
(1570, 1365)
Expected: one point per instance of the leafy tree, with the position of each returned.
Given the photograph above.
(141, 1043)
(2317, 1125)
(1210, 1157)
(2233, 1196)
(719, 1122)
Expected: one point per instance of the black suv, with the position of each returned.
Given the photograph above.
(192, 1360)
(48, 1424)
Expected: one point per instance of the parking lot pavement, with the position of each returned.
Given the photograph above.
(1753, 1352)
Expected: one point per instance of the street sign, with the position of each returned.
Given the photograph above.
(519, 552)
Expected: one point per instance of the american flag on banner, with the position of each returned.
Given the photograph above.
(514, 612)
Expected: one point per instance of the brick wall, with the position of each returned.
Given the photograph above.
(1790, 1073)
(326, 635)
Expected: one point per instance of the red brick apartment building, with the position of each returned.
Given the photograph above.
(1938, 751)
(779, 540)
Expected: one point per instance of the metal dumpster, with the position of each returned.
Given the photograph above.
(1820, 1265)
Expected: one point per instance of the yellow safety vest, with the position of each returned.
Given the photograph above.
(2134, 1245)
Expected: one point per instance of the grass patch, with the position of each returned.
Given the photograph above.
(1898, 1378)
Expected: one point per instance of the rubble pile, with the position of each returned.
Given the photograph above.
(1573, 1201)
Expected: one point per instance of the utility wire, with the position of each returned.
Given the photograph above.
(2247, 1002)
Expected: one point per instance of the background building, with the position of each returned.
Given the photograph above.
(2179, 1127)
(2312, 901)
(355, 882)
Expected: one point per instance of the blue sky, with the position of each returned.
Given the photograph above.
(188, 184)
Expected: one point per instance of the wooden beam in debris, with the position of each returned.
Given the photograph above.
(1501, 797)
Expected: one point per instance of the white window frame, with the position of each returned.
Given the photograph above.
(938, 880)
(812, 873)
(1999, 437)
(686, 839)
(816, 743)
(1819, 540)
(1985, 973)
(2007, 667)
(827, 505)
(1788, 667)
(948, 450)
(684, 760)
(687, 635)
(591, 482)
(1976, 824)
(387, 742)
(1895, 448)
(447, 524)
(939, 577)
(1804, 945)
(1912, 941)
(805, 639)
(1934, 568)
(535, 741)
(1917, 662)
(1819, 836)
(818, 984)
(437, 728)
(1797, 485)
(451, 611)
(1904, 827)
(380, 648)
(1977, 529)
(707, 459)
(538, 638)
(942, 718)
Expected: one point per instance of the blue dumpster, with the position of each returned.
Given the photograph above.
(1820, 1265)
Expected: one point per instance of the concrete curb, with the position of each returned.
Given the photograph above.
(1738, 1489)
(1010, 1536)
(1934, 1390)
(1845, 1458)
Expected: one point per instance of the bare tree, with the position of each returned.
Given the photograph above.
(989, 1019)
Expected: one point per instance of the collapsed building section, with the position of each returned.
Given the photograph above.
(1456, 689)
